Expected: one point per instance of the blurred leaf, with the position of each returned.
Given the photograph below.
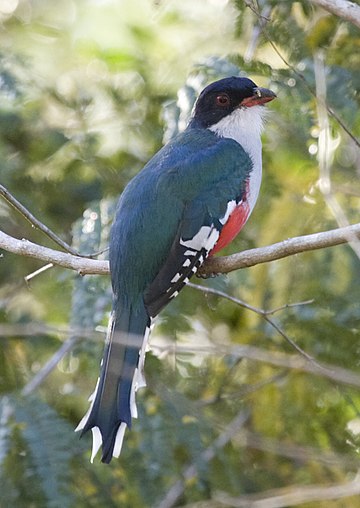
(5, 414)
(322, 32)
(49, 442)
(91, 296)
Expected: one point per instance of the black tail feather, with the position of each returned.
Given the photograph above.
(113, 402)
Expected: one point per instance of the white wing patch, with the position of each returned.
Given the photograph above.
(205, 238)
(176, 277)
(190, 253)
(185, 257)
(212, 239)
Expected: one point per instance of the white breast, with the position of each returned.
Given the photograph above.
(245, 125)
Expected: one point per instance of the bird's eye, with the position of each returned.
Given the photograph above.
(223, 100)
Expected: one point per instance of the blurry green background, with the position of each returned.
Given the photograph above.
(89, 90)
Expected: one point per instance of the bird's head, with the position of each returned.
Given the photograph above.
(221, 98)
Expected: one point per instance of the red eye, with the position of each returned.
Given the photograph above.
(223, 100)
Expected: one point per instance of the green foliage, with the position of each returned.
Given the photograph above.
(91, 296)
(35, 467)
(88, 92)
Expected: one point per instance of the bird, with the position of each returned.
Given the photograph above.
(187, 203)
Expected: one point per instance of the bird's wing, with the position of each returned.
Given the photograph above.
(200, 228)
(187, 253)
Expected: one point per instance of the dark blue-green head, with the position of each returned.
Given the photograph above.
(221, 98)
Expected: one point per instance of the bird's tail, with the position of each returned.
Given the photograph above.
(122, 373)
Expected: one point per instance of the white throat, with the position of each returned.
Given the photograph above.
(245, 125)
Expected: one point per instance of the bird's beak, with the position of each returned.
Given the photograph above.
(261, 96)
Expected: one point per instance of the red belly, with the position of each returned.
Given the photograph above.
(232, 227)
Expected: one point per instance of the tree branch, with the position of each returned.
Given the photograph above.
(79, 264)
(341, 8)
(293, 496)
(222, 264)
(296, 245)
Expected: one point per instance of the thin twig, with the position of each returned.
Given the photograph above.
(302, 78)
(38, 272)
(191, 471)
(260, 312)
(49, 366)
(277, 359)
(288, 306)
(326, 150)
(35, 329)
(35, 223)
(244, 391)
(256, 32)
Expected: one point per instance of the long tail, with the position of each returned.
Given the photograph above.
(122, 373)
